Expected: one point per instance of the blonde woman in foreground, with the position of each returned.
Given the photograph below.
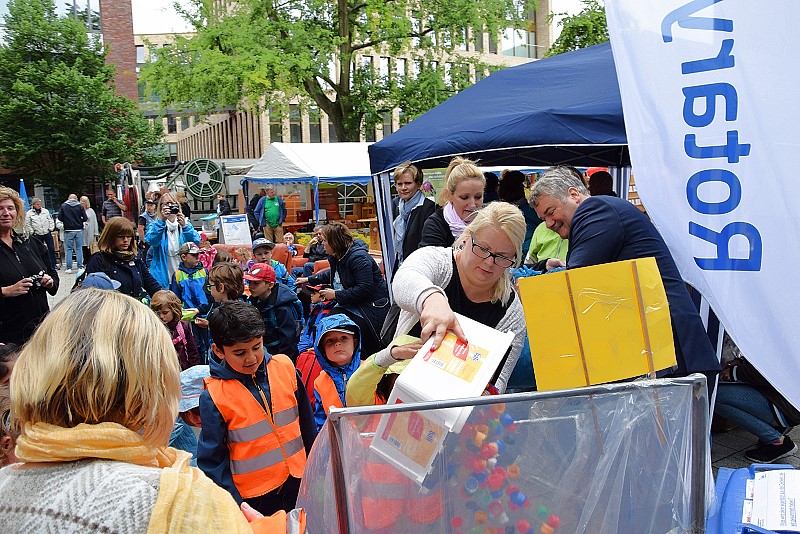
(95, 393)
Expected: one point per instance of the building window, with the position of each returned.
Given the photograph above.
(332, 137)
(400, 66)
(384, 68)
(295, 125)
(314, 126)
(492, 43)
(172, 124)
(387, 123)
(140, 57)
(519, 43)
(184, 123)
(369, 135)
(477, 37)
(275, 126)
(173, 152)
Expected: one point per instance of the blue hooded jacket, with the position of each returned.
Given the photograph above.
(190, 286)
(156, 237)
(213, 457)
(339, 375)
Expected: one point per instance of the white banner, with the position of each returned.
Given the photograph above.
(709, 91)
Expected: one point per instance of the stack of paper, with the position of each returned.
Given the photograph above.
(411, 440)
(776, 495)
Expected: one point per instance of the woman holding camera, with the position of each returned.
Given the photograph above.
(25, 274)
(118, 258)
(166, 236)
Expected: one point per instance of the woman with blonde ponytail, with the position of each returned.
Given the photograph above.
(461, 197)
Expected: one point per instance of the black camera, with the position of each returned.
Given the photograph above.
(174, 209)
(36, 280)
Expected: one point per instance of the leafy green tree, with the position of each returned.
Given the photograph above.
(254, 53)
(60, 121)
(587, 28)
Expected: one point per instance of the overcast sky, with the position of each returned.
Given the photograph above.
(158, 16)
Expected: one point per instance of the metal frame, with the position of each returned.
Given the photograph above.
(698, 439)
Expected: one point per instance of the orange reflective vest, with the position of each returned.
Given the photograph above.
(325, 386)
(264, 448)
(386, 493)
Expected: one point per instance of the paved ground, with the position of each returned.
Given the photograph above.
(727, 448)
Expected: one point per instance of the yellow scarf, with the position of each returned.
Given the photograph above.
(188, 501)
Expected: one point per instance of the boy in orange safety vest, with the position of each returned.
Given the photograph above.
(257, 420)
(338, 350)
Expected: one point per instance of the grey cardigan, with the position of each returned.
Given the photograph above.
(428, 270)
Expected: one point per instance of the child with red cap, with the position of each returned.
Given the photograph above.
(280, 309)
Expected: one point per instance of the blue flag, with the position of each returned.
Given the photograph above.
(24, 194)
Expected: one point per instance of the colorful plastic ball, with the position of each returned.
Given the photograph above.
(542, 512)
(513, 471)
(456, 522)
(478, 465)
(496, 481)
(480, 477)
(489, 450)
(522, 525)
(481, 517)
(496, 508)
(511, 489)
(470, 486)
(547, 529)
(506, 419)
(553, 520)
(518, 498)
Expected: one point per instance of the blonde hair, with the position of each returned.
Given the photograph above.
(165, 298)
(161, 201)
(180, 196)
(6, 193)
(459, 170)
(99, 356)
(114, 228)
(85, 202)
(408, 167)
(508, 219)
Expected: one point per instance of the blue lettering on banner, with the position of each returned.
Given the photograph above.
(706, 96)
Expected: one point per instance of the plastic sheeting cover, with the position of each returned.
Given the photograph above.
(615, 461)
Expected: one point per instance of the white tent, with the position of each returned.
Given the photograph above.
(313, 163)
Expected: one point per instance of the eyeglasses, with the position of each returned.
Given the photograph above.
(483, 253)
(210, 286)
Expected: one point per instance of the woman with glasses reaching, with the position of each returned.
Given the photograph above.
(471, 278)
(118, 259)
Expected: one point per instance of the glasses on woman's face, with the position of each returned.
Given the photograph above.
(483, 253)
(210, 286)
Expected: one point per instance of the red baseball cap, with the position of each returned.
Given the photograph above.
(261, 272)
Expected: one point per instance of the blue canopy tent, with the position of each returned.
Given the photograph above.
(310, 163)
(561, 110)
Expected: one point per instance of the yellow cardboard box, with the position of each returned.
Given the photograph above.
(597, 324)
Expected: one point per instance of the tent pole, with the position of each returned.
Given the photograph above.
(381, 184)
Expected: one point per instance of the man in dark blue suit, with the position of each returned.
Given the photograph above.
(605, 229)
